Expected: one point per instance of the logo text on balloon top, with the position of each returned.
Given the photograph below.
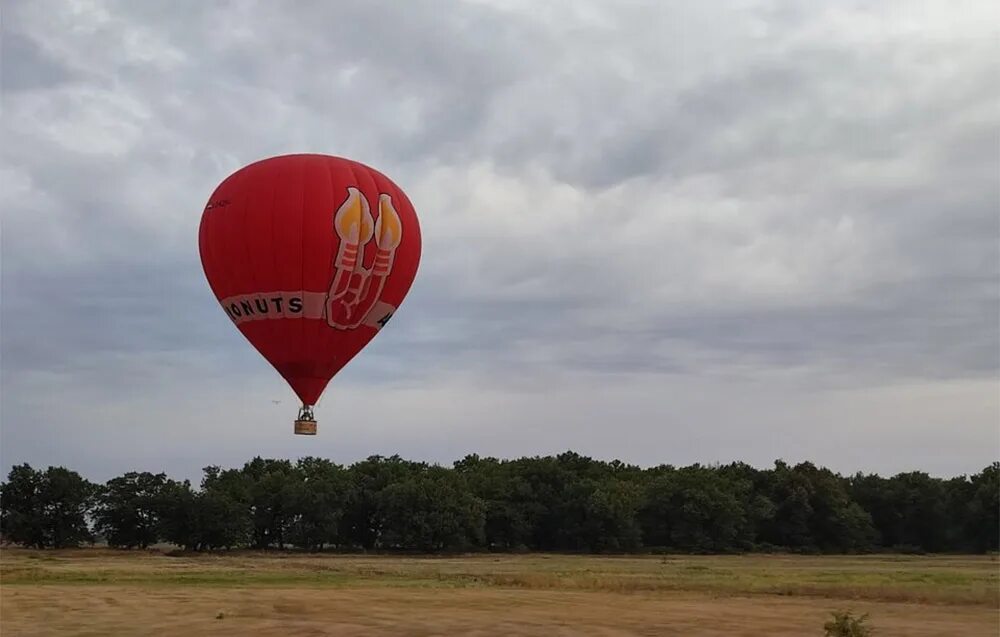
(352, 299)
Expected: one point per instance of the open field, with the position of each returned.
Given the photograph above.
(102, 592)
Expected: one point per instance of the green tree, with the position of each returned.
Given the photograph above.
(981, 522)
(611, 522)
(564, 502)
(45, 509)
(204, 520)
(361, 524)
(909, 510)
(318, 503)
(430, 511)
(21, 514)
(837, 523)
(791, 492)
(552, 501)
(129, 509)
(696, 509)
(503, 494)
(267, 488)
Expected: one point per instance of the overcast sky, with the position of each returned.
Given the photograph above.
(665, 232)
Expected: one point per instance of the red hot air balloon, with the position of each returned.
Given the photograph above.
(310, 256)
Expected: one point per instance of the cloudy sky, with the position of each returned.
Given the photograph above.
(654, 231)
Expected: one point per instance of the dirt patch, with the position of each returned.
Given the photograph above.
(118, 612)
(113, 594)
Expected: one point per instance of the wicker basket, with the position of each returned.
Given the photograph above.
(305, 427)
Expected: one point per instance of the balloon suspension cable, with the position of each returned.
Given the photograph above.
(305, 424)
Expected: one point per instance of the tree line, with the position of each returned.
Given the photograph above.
(566, 502)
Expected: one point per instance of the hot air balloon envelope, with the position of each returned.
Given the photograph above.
(309, 256)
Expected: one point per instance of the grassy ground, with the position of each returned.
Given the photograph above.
(101, 592)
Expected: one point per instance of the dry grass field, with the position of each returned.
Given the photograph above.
(107, 593)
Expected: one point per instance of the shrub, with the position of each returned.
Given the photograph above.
(844, 624)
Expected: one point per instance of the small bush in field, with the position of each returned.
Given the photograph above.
(844, 624)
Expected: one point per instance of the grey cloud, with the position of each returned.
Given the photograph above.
(25, 66)
(638, 192)
(941, 331)
(70, 321)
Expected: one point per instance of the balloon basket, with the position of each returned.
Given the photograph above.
(305, 424)
(305, 427)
